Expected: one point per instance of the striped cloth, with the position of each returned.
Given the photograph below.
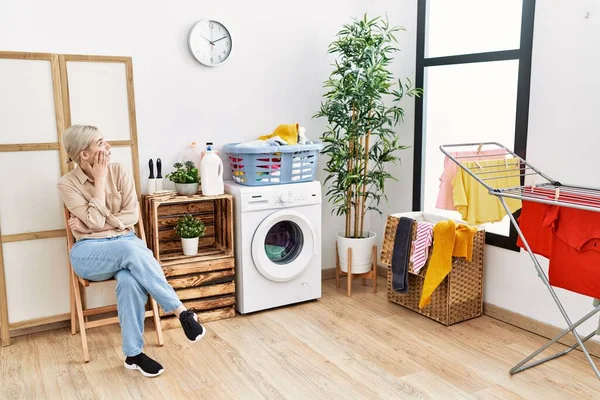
(421, 245)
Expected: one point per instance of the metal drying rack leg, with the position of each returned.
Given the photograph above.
(521, 366)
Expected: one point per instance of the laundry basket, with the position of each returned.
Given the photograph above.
(273, 165)
(460, 295)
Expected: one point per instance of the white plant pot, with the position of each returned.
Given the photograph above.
(362, 252)
(190, 246)
(187, 189)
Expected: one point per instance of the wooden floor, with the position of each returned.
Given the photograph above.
(361, 347)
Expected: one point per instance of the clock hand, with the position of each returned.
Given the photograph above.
(213, 43)
(224, 37)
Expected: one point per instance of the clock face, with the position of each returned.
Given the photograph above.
(209, 42)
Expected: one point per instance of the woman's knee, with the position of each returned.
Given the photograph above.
(141, 258)
(126, 281)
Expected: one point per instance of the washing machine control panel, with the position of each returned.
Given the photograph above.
(291, 197)
(284, 198)
(273, 197)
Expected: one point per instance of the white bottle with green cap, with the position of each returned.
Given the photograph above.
(211, 172)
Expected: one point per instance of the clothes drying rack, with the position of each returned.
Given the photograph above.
(552, 192)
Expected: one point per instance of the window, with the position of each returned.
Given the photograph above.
(474, 63)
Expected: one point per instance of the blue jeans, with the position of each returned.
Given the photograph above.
(137, 273)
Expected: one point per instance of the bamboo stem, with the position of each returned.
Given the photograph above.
(350, 193)
(358, 207)
(349, 196)
(357, 166)
(364, 188)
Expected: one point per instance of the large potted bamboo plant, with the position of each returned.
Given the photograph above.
(361, 105)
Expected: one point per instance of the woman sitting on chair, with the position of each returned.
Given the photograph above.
(104, 209)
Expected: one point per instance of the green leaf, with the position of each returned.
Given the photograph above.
(189, 227)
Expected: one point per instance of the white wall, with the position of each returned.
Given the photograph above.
(274, 75)
(563, 142)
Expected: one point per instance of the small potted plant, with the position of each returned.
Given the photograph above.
(190, 229)
(186, 178)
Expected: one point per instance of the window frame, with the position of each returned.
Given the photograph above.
(523, 55)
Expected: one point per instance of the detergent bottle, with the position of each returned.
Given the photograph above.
(211, 172)
(191, 153)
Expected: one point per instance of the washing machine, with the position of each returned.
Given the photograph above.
(277, 244)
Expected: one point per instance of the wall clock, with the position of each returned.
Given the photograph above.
(209, 42)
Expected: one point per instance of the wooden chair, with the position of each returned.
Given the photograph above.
(79, 311)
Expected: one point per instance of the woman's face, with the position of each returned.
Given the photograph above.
(97, 144)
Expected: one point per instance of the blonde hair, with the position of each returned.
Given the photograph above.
(78, 138)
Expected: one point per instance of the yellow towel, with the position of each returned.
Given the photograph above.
(449, 241)
(288, 132)
(463, 242)
(440, 263)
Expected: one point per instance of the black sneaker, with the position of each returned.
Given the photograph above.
(147, 366)
(189, 322)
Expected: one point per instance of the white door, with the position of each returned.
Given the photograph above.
(283, 245)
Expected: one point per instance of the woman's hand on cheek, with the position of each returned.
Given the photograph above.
(100, 166)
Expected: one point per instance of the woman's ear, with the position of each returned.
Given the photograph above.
(84, 156)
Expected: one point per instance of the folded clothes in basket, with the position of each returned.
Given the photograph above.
(400, 256)
(449, 240)
(287, 132)
(273, 141)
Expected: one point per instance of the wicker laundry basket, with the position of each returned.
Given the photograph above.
(458, 298)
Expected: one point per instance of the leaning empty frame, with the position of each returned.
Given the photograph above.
(30, 128)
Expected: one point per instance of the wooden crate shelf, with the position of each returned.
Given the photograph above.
(205, 281)
(197, 266)
(162, 212)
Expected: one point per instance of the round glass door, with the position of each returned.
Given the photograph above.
(283, 245)
(283, 242)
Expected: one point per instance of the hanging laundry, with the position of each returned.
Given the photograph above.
(569, 237)
(472, 199)
(400, 255)
(575, 250)
(446, 244)
(445, 200)
(538, 235)
(531, 222)
(421, 245)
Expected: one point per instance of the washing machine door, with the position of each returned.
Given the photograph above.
(283, 245)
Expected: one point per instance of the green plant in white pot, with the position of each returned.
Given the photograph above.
(190, 229)
(361, 105)
(185, 177)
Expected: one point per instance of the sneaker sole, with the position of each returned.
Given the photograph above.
(147, 375)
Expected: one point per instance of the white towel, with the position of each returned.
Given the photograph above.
(274, 141)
